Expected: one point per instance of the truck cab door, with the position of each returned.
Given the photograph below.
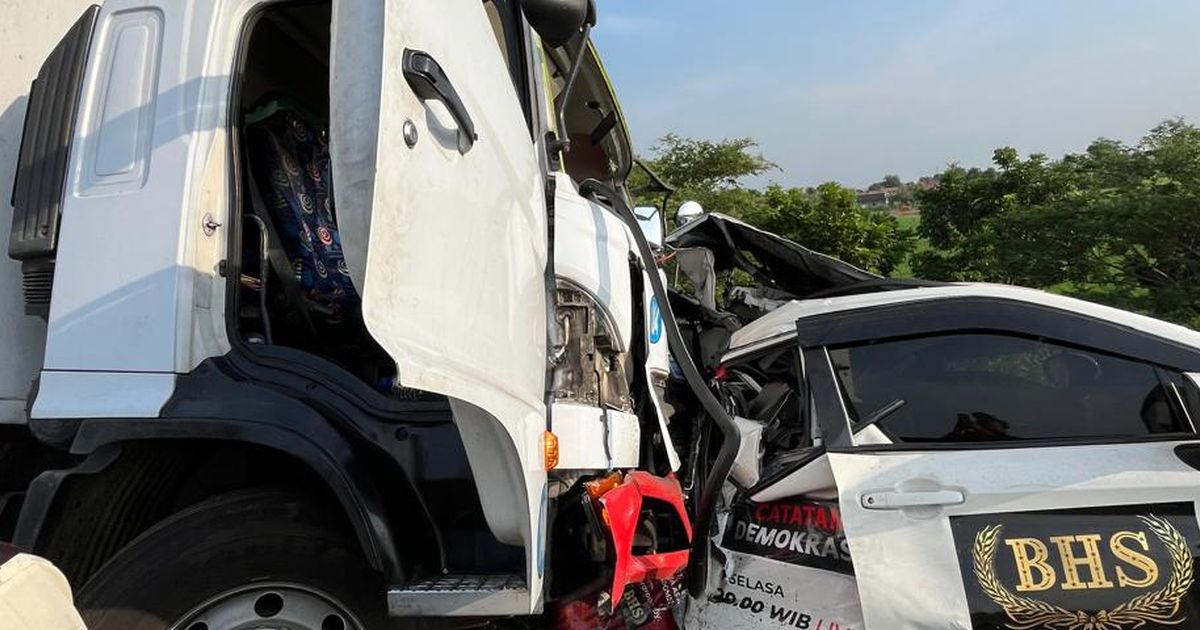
(441, 206)
(995, 481)
(441, 201)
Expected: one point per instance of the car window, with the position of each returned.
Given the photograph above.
(985, 387)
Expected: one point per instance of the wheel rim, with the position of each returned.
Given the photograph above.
(270, 607)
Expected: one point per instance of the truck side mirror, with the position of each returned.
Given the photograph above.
(557, 21)
(650, 219)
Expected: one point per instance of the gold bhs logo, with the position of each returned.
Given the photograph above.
(1036, 572)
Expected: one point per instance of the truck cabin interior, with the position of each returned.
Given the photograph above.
(293, 288)
(600, 145)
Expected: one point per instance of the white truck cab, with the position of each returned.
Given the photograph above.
(344, 262)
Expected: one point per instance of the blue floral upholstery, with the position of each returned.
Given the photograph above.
(290, 159)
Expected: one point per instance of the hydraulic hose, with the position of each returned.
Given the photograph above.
(706, 505)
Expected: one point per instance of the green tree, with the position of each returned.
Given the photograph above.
(826, 218)
(707, 165)
(829, 220)
(712, 173)
(1117, 224)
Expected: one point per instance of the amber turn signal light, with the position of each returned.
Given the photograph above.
(597, 487)
(549, 450)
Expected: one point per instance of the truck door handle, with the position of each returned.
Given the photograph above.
(892, 500)
(427, 79)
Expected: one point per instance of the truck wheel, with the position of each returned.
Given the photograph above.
(248, 559)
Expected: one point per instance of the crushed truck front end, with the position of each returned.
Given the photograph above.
(325, 270)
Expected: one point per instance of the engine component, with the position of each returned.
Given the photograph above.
(590, 368)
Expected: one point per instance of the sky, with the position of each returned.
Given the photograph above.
(852, 90)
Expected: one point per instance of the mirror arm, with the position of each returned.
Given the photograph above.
(657, 183)
(666, 203)
(561, 143)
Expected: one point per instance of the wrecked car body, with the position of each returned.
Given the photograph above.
(927, 455)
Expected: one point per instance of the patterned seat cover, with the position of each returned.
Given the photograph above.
(290, 159)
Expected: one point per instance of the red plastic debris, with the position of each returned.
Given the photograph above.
(646, 606)
(622, 507)
(721, 373)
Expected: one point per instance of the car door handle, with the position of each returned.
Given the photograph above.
(429, 82)
(892, 500)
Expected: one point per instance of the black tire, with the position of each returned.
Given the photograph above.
(229, 542)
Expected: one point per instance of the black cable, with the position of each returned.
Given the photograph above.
(697, 573)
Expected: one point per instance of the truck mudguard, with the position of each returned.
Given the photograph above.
(211, 404)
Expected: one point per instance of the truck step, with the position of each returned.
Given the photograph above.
(461, 595)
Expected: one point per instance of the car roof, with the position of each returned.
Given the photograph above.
(780, 325)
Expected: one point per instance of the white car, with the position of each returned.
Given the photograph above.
(959, 456)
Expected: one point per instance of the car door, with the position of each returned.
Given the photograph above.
(996, 479)
(441, 202)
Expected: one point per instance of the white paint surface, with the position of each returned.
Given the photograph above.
(917, 543)
(29, 29)
(812, 479)
(453, 286)
(102, 395)
(780, 324)
(745, 470)
(592, 251)
(123, 287)
(774, 595)
(658, 360)
(136, 289)
(590, 438)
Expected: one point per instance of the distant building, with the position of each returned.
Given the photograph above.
(879, 198)
(927, 183)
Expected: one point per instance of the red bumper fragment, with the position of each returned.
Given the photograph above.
(622, 511)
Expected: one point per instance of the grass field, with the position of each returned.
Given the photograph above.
(909, 221)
